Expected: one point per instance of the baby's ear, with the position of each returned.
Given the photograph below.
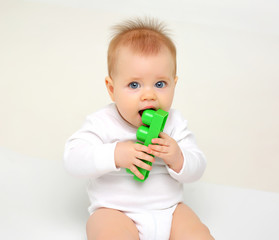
(110, 87)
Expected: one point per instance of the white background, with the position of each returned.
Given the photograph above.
(53, 65)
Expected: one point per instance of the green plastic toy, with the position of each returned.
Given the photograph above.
(156, 121)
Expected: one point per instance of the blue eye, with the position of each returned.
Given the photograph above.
(134, 85)
(160, 84)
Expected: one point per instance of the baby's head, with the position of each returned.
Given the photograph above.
(141, 68)
(145, 37)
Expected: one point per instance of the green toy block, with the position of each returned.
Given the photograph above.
(156, 121)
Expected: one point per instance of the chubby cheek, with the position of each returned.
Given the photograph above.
(166, 103)
(128, 111)
(128, 102)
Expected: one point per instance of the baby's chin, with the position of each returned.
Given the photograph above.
(135, 124)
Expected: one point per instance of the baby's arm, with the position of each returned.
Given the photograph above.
(185, 161)
(90, 153)
(95, 159)
(92, 158)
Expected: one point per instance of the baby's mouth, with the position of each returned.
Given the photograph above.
(141, 111)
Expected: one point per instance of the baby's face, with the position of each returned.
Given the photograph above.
(142, 82)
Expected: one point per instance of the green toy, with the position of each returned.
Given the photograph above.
(156, 121)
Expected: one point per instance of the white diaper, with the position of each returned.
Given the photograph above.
(153, 224)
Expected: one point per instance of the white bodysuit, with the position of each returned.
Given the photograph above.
(150, 204)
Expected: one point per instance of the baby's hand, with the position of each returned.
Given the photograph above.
(128, 154)
(167, 148)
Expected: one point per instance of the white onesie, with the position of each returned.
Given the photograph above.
(90, 153)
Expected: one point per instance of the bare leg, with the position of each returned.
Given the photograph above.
(110, 224)
(187, 226)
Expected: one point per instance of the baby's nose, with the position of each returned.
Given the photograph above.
(148, 94)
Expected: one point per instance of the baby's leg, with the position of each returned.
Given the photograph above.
(187, 225)
(110, 224)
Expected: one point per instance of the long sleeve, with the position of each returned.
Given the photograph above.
(90, 152)
(86, 159)
(194, 160)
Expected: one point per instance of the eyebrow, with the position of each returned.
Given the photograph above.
(135, 78)
(159, 77)
(163, 78)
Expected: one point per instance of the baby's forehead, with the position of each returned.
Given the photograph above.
(126, 51)
(129, 60)
(137, 52)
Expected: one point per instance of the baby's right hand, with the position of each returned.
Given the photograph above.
(129, 154)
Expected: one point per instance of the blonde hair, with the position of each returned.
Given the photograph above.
(145, 36)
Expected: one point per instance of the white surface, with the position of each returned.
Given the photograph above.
(39, 200)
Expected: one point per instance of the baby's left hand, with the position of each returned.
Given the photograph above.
(167, 148)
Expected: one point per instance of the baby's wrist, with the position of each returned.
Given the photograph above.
(117, 152)
(177, 165)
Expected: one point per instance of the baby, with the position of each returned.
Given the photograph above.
(141, 75)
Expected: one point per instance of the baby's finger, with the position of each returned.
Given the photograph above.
(143, 165)
(145, 156)
(135, 170)
(158, 148)
(157, 154)
(141, 147)
(160, 141)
